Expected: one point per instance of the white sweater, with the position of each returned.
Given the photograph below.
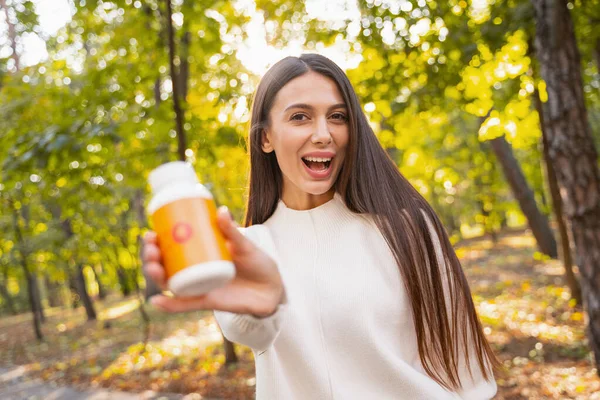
(344, 329)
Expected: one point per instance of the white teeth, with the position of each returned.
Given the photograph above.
(316, 159)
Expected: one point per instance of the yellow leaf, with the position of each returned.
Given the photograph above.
(452, 92)
(542, 91)
(577, 316)
(40, 227)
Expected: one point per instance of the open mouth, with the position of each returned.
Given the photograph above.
(317, 164)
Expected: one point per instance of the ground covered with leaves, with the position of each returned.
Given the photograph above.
(522, 300)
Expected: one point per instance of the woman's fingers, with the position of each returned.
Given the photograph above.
(238, 242)
(150, 237)
(156, 272)
(151, 253)
(150, 250)
(152, 260)
(151, 256)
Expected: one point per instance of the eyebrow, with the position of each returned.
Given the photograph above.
(309, 107)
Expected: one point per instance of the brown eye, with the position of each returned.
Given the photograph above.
(298, 117)
(339, 116)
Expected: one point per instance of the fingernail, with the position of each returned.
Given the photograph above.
(225, 210)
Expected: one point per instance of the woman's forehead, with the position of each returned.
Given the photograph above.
(311, 89)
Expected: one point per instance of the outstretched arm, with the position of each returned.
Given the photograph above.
(252, 331)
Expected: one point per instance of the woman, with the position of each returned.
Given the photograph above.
(347, 286)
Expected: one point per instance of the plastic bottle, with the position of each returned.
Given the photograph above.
(183, 214)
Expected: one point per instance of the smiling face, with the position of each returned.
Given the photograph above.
(308, 131)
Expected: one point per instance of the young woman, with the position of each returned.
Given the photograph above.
(347, 286)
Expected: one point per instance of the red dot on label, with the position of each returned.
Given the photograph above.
(182, 232)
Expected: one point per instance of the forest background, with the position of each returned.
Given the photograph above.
(491, 108)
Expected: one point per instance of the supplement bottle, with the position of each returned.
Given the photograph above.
(184, 216)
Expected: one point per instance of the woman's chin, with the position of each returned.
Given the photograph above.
(318, 188)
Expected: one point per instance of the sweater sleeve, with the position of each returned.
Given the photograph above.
(475, 387)
(256, 333)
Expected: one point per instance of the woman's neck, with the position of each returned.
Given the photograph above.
(298, 200)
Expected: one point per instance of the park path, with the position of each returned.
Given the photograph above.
(15, 386)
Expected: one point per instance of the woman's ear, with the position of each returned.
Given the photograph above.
(267, 145)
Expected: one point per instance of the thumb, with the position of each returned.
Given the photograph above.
(230, 230)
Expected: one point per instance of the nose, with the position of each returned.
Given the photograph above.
(321, 133)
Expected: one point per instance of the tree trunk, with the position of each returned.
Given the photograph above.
(571, 148)
(157, 98)
(37, 297)
(12, 35)
(143, 312)
(83, 293)
(142, 308)
(123, 275)
(36, 294)
(101, 289)
(557, 207)
(74, 292)
(123, 282)
(54, 293)
(37, 326)
(503, 221)
(137, 205)
(184, 66)
(544, 203)
(516, 179)
(28, 275)
(181, 139)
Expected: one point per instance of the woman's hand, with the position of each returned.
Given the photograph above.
(256, 289)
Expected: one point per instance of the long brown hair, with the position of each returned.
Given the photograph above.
(370, 183)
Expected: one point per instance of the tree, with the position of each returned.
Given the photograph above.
(571, 147)
(178, 80)
(32, 285)
(514, 175)
(557, 206)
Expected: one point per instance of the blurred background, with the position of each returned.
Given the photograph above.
(94, 94)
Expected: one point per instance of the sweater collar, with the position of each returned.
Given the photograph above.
(332, 211)
(335, 200)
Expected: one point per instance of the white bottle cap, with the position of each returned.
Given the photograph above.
(169, 173)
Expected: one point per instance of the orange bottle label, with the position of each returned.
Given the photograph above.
(188, 234)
